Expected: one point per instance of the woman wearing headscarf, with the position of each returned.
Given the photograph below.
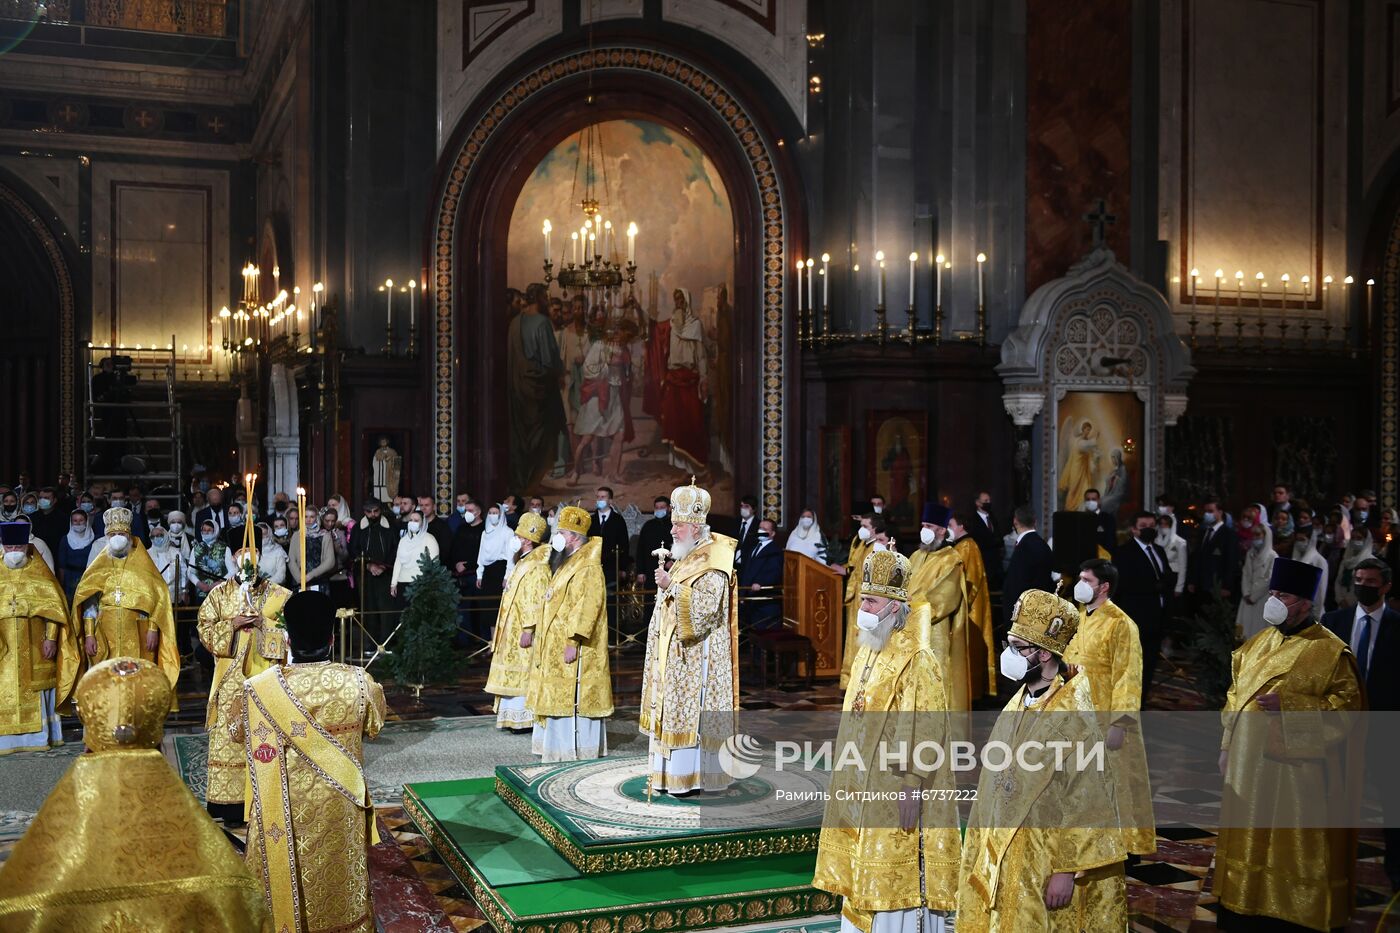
(1283, 533)
(211, 561)
(1255, 573)
(493, 561)
(75, 551)
(806, 538)
(1359, 548)
(1175, 546)
(320, 552)
(412, 546)
(272, 557)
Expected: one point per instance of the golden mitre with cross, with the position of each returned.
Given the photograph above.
(123, 703)
(1045, 620)
(690, 504)
(117, 519)
(572, 518)
(886, 574)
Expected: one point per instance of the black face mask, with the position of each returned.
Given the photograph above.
(1147, 535)
(1367, 595)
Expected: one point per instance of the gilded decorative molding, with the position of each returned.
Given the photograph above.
(713, 94)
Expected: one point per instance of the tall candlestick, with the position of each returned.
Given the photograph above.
(547, 227)
(301, 523)
(799, 287)
(811, 286)
(913, 261)
(826, 279)
(938, 280)
(1195, 281)
(1370, 288)
(981, 285)
(880, 278)
(388, 302)
(631, 242)
(412, 303)
(573, 240)
(1219, 276)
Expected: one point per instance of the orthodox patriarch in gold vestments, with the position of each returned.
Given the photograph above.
(121, 607)
(690, 685)
(982, 650)
(239, 625)
(894, 863)
(938, 581)
(570, 691)
(120, 843)
(1037, 855)
(1290, 755)
(34, 635)
(1108, 653)
(522, 603)
(861, 545)
(312, 820)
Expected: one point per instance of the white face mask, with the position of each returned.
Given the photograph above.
(557, 541)
(1163, 510)
(279, 532)
(394, 509)
(1091, 505)
(515, 545)
(177, 527)
(471, 517)
(1275, 612)
(867, 621)
(879, 546)
(118, 544)
(1013, 666)
(493, 520)
(1083, 592)
(877, 509)
(927, 535)
(746, 512)
(864, 533)
(413, 527)
(15, 559)
(804, 523)
(158, 542)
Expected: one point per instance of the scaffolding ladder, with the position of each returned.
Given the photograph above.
(136, 439)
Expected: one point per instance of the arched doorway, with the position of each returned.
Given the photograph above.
(484, 169)
(37, 367)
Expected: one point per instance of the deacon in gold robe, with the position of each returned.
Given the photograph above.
(312, 820)
(1108, 653)
(690, 684)
(522, 603)
(981, 643)
(239, 626)
(872, 531)
(570, 691)
(33, 626)
(120, 843)
(1290, 756)
(938, 580)
(890, 840)
(1038, 853)
(122, 603)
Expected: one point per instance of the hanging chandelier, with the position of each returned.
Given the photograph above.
(592, 262)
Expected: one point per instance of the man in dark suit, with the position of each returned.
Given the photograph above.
(213, 512)
(748, 529)
(1031, 563)
(759, 578)
(1145, 583)
(985, 532)
(655, 533)
(1212, 566)
(609, 525)
(1372, 630)
(1105, 523)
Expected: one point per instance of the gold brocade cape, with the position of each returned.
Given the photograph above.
(982, 650)
(1029, 824)
(237, 656)
(521, 607)
(312, 819)
(855, 563)
(690, 684)
(1282, 768)
(936, 578)
(32, 609)
(127, 586)
(121, 844)
(1108, 651)
(575, 611)
(863, 854)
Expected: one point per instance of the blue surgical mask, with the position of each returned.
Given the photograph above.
(158, 542)
(660, 513)
(85, 506)
(235, 520)
(461, 510)
(602, 504)
(29, 508)
(45, 503)
(209, 537)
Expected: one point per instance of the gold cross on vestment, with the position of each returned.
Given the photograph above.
(117, 595)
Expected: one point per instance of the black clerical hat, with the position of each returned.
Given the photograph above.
(1295, 577)
(936, 514)
(1074, 539)
(13, 534)
(310, 620)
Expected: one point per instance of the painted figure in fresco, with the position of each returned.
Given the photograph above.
(686, 388)
(1079, 463)
(533, 370)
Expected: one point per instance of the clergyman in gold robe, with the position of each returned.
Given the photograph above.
(34, 636)
(871, 532)
(890, 843)
(522, 603)
(938, 580)
(1108, 653)
(981, 643)
(1290, 756)
(122, 603)
(312, 820)
(690, 684)
(120, 843)
(238, 625)
(570, 690)
(1039, 853)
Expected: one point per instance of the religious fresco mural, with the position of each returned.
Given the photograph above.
(895, 465)
(1098, 448)
(631, 388)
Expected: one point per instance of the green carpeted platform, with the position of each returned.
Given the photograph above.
(524, 886)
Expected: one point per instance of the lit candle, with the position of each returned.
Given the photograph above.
(938, 280)
(913, 261)
(301, 530)
(1327, 300)
(1195, 280)
(811, 287)
(632, 242)
(592, 246)
(412, 304)
(547, 227)
(388, 302)
(800, 308)
(1219, 276)
(880, 279)
(981, 262)
(1370, 288)
(826, 279)
(609, 247)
